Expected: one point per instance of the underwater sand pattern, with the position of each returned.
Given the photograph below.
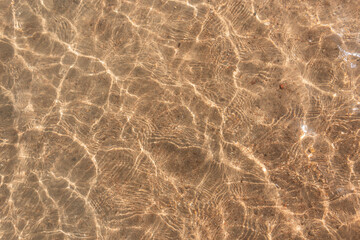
(179, 119)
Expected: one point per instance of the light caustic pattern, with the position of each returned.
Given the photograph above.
(179, 119)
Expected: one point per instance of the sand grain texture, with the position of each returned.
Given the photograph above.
(179, 119)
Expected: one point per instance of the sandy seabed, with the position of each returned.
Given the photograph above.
(179, 119)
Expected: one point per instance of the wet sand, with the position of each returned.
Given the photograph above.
(183, 119)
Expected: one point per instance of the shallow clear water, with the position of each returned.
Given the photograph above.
(194, 119)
